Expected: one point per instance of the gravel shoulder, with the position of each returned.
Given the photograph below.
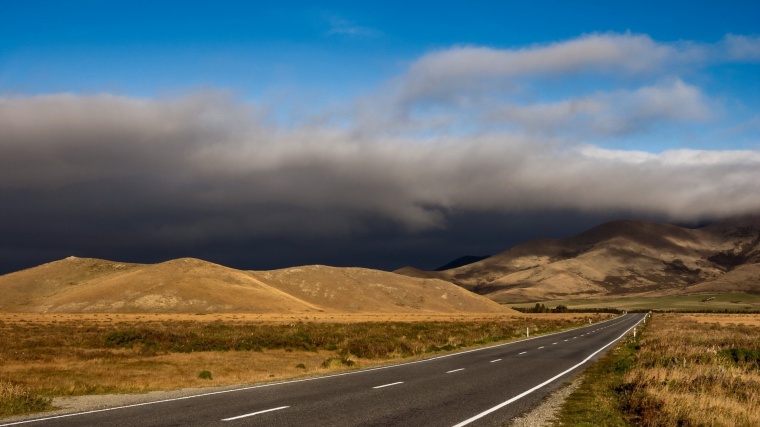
(543, 415)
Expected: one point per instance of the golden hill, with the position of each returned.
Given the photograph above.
(82, 285)
(617, 259)
(365, 290)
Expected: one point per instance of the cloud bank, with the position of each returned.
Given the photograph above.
(207, 168)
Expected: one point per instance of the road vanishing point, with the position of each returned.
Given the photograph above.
(482, 387)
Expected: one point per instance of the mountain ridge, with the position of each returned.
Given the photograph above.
(619, 258)
(461, 261)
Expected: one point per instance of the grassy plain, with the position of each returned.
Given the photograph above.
(51, 355)
(707, 302)
(684, 370)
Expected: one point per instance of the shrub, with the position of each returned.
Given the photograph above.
(337, 361)
(205, 375)
(742, 355)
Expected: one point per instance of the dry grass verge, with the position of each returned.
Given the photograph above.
(686, 370)
(696, 373)
(53, 357)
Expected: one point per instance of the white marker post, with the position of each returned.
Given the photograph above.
(527, 332)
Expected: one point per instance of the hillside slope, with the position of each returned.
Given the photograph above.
(617, 259)
(187, 285)
(361, 289)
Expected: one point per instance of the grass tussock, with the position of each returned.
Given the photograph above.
(18, 399)
(69, 358)
(682, 372)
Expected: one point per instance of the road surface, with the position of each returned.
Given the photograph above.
(483, 387)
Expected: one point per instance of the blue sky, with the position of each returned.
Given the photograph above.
(255, 122)
(292, 53)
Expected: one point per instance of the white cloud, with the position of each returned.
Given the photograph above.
(609, 113)
(448, 71)
(593, 87)
(739, 48)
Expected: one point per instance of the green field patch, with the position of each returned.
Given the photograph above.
(704, 302)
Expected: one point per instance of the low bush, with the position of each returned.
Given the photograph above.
(375, 340)
(337, 361)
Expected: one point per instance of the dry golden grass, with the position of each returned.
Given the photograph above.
(104, 318)
(51, 355)
(724, 319)
(125, 373)
(697, 370)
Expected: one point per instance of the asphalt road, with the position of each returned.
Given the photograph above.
(483, 387)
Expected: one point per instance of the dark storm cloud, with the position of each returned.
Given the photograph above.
(211, 157)
(207, 176)
(119, 172)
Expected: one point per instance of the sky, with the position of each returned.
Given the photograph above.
(263, 135)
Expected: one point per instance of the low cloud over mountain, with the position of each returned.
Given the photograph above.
(451, 138)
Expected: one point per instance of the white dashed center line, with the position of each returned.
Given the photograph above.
(455, 370)
(388, 385)
(495, 360)
(523, 352)
(541, 347)
(255, 413)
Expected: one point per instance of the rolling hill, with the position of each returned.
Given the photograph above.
(620, 258)
(187, 285)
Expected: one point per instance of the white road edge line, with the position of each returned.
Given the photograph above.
(496, 360)
(234, 390)
(455, 370)
(527, 392)
(255, 413)
(388, 385)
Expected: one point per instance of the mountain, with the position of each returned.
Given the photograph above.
(459, 262)
(188, 285)
(620, 258)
